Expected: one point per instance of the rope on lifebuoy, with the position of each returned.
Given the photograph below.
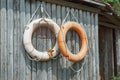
(35, 54)
(62, 45)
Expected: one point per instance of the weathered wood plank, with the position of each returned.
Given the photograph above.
(14, 64)
(10, 27)
(89, 24)
(96, 46)
(117, 44)
(77, 45)
(34, 63)
(82, 19)
(49, 44)
(81, 23)
(93, 47)
(27, 60)
(73, 44)
(44, 45)
(0, 41)
(66, 63)
(21, 48)
(16, 40)
(86, 30)
(59, 60)
(39, 70)
(3, 71)
(73, 5)
(106, 53)
(64, 66)
(54, 62)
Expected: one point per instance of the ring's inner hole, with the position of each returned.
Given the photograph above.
(73, 41)
(43, 38)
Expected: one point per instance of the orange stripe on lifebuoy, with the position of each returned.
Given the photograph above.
(62, 45)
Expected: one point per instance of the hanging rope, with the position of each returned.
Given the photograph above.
(85, 59)
(43, 12)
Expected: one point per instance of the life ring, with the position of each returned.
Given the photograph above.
(61, 41)
(40, 56)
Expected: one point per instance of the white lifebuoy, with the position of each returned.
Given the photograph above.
(41, 56)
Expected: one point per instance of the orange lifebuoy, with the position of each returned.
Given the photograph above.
(61, 41)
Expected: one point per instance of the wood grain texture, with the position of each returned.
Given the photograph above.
(10, 38)
(49, 44)
(16, 39)
(106, 53)
(33, 7)
(21, 48)
(3, 31)
(15, 64)
(59, 59)
(117, 44)
(54, 62)
(28, 62)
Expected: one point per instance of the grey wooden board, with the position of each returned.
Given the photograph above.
(10, 39)
(97, 46)
(39, 70)
(54, 62)
(3, 56)
(34, 63)
(27, 60)
(49, 44)
(68, 41)
(21, 48)
(16, 39)
(117, 44)
(59, 60)
(15, 64)
(64, 12)
(106, 53)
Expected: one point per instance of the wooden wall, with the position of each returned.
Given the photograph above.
(14, 63)
(106, 53)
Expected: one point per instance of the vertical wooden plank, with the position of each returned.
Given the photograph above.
(117, 50)
(69, 44)
(64, 72)
(16, 40)
(89, 46)
(73, 45)
(96, 47)
(85, 28)
(3, 31)
(59, 72)
(34, 64)
(49, 44)
(106, 53)
(39, 70)
(0, 40)
(27, 60)
(54, 63)
(93, 47)
(10, 38)
(67, 71)
(44, 45)
(81, 22)
(21, 49)
(83, 76)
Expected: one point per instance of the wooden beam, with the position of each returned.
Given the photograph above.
(110, 21)
(108, 25)
(73, 5)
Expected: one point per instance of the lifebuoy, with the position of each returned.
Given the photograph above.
(61, 41)
(41, 56)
